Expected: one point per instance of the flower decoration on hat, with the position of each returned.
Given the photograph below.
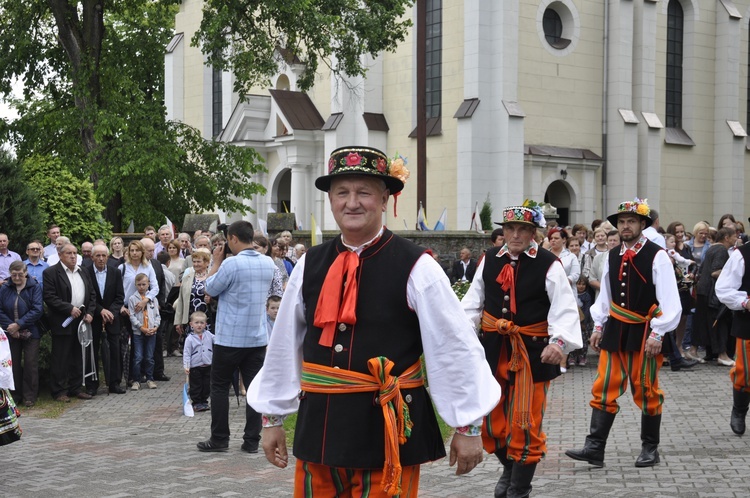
(537, 212)
(397, 169)
(529, 213)
(637, 206)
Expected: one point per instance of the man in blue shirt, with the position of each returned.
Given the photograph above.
(241, 284)
(34, 263)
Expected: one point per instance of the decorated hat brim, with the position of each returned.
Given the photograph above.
(613, 218)
(519, 222)
(393, 184)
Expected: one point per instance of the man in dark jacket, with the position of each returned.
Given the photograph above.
(110, 297)
(465, 268)
(68, 293)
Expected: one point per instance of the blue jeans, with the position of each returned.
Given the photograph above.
(143, 349)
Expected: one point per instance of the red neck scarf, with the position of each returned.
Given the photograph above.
(507, 281)
(337, 301)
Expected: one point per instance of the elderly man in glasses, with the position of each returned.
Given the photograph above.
(35, 265)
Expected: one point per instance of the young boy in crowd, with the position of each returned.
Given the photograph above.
(272, 309)
(145, 323)
(578, 357)
(196, 358)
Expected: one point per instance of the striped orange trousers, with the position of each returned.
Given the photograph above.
(499, 431)
(615, 369)
(312, 480)
(740, 372)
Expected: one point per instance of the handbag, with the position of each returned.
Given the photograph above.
(10, 430)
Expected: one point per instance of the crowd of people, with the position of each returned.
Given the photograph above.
(363, 318)
(143, 300)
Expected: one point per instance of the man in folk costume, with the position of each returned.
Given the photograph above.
(733, 290)
(529, 320)
(357, 314)
(637, 305)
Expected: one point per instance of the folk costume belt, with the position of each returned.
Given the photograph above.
(327, 380)
(523, 386)
(631, 317)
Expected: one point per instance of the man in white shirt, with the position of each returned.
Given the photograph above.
(53, 232)
(652, 234)
(165, 235)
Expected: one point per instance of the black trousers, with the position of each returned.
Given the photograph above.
(225, 361)
(200, 384)
(66, 364)
(109, 352)
(26, 373)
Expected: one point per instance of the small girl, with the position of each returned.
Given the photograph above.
(578, 357)
(682, 262)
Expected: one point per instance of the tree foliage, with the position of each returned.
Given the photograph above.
(93, 74)
(485, 215)
(66, 200)
(244, 36)
(19, 214)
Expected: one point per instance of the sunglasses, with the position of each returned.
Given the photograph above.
(35, 248)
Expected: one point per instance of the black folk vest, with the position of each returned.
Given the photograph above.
(631, 293)
(532, 306)
(347, 430)
(741, 319)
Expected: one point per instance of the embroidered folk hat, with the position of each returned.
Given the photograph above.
(529, 213)
(636, 206)
(366, 161)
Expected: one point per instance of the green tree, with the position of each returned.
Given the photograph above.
(19, 215)
(66, 200)
(486, 214)
(251, 37)
(93, 99)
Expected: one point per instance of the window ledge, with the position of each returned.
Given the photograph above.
(678, 136)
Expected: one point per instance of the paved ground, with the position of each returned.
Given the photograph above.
(139, 444)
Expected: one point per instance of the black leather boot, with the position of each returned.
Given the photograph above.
(650, 426)
(593, 448)
(739, 410)
(501, 488)
(520, 480)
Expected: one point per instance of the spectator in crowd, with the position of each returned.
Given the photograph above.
(400, 287)
(299, 250)
(197, 234)
(201, 242)
(726, 220)
(685, 283)
(86, 253)
(60, 243)
(465, 268)
(597, 264)
(176, 262)
(241, 284)
(281, 250)
(741, 235)
(272, 309)
(584, 301)
(574, 246)
(150, 232)
(580, 232)
(197, 358)
(68, 292)
(186, 245)
(21, 308)
(557, 239)
(653, 232)
(117, 250)
(275, 255)
(699, 243)
(497, 238)
(599, 247)
(707, 329)
(260, 245)
(145, 323)
(286, 237)
(164, 282)
(110, 298)
(6, 258)
(192, 295)
(165, 235)
(136, 262)
(35, 265)
(53, 232)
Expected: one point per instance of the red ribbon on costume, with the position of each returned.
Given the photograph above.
(337, 301)
(395, 203)
(507, 281)
(628, 257)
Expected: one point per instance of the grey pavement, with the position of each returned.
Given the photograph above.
(140, 444)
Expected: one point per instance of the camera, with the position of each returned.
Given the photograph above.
(223, 229)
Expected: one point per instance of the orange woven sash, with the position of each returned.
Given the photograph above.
(327, 380)
(523, 386)
(648, 365)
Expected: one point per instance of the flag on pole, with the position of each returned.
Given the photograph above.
(476, 221)
(171, 226)
(316, 234)
(421, 219)
(442, 221)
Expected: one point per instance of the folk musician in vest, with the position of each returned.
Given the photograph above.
(529, 320)
(357, 314)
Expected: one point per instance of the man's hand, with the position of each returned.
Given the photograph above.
(88, 318)
(552, 354)
(75, 312)
(12, 328)
(178, 328)
(107, 316)
(467, 451)
(125, 311)
(140, 305)
(653, 348)
(274, 446)
(595, 340)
